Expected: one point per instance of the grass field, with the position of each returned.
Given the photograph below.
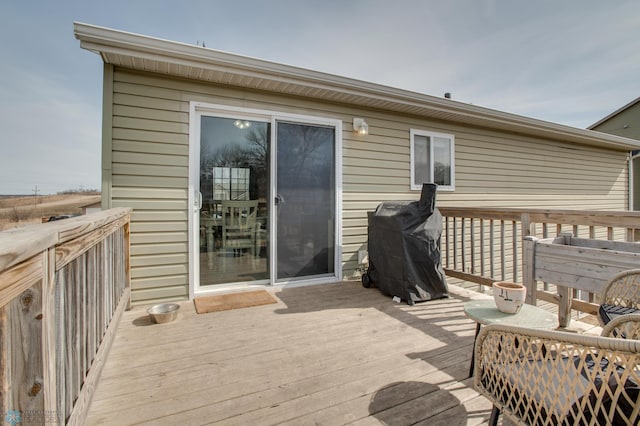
(21, 211)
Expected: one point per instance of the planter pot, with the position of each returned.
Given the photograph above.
(509, 297)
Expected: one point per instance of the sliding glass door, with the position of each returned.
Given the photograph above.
(305, 200)
(234, 191)
(265, 205)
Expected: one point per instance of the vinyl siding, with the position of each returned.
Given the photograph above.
(626, 123)
(150, 159)
(493, 169)
(149, 169)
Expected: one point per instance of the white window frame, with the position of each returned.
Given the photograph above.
(431, 135)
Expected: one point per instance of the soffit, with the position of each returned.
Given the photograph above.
(193, 62)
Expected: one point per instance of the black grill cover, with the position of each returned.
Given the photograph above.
(404, 248)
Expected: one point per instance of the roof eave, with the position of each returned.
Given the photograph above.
(147, 53)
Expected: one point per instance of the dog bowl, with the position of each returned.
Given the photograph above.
(164, 312)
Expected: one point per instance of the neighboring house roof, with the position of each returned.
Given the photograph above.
(614, 113)
(189, 61)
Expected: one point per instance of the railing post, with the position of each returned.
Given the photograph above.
(502, 250)
(127, 259)
(525, 221)
(473, 246)
(528, 269)
(514, 250)
(52, 410)
(630, 235)
(564, 306)
(525, 229)
(492, 258)
(463, 245)
(482, 247)
(455, 244)
(446, 241)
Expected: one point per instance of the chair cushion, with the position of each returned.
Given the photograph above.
(608, 312)
(624, 405)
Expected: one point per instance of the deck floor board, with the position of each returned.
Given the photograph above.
(327, 354)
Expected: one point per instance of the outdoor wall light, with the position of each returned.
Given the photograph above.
(360, 126)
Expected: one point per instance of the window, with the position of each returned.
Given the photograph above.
(432, 160)
(230, 183)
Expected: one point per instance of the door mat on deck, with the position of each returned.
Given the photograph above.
(225, 302)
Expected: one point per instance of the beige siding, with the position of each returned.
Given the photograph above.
(150, 170)
(492, 170)
(150, 155)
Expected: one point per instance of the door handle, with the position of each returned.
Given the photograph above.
(279, 200)
(198, 200)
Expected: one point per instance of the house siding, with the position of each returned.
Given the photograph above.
(148, 169)
(626, 123)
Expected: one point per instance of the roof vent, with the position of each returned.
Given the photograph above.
(447, 95)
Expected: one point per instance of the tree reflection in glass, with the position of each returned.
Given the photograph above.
(233, 166)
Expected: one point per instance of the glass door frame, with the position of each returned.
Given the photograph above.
(199, 109)
(337, 237)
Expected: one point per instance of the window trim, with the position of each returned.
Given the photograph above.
(430, 134)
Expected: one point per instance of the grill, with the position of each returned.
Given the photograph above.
(404, 249)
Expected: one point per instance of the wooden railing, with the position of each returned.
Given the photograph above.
(484, 245)
(63, 288)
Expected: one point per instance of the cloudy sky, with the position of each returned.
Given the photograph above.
(570, 62)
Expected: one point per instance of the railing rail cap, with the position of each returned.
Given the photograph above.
(20, 244)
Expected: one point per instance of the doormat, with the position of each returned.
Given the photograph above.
(225, 302)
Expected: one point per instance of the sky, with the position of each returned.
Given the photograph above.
(566, 61)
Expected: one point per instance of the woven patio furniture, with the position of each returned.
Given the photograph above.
(624, 327)
(545, 377)
(620, 296)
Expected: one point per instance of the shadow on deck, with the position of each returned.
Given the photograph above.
(328, 354)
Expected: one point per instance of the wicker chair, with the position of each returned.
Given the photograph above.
(620, 296)
(624, 327)
(544, 377)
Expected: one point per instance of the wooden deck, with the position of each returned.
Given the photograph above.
(327, 354)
